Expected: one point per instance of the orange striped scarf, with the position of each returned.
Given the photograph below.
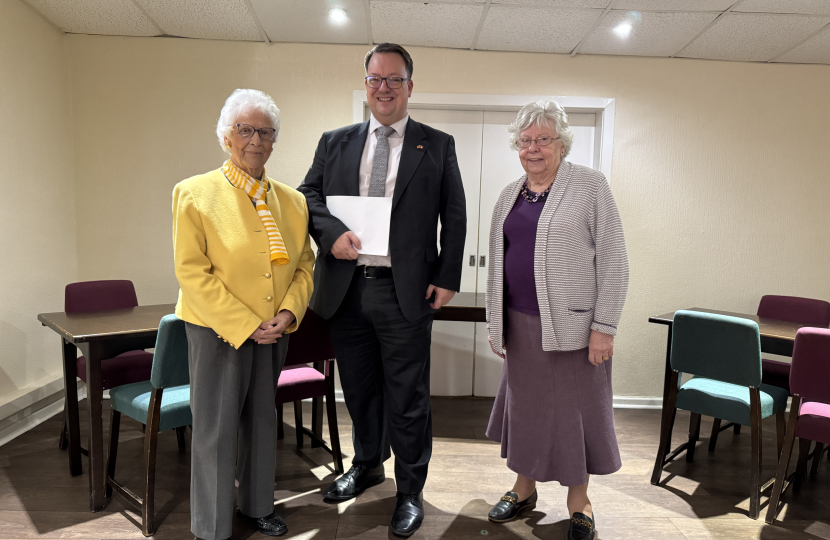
(256, 191)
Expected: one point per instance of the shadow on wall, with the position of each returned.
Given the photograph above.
(13, 343)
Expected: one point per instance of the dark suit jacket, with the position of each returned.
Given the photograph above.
(428, 186)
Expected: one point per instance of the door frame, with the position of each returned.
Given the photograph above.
(604, 108)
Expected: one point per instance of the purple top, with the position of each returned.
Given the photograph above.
(519, 247)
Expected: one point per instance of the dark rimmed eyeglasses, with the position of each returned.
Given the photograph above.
(540, 141)
(392, 83)
(265, 134)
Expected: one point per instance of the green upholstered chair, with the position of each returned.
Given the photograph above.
(724, 355)
(161, 403)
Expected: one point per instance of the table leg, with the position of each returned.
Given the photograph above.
(70, 407)
(667, 379)
(95, 394)
(317, 412)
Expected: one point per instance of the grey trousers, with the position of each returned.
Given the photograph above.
(234, 429)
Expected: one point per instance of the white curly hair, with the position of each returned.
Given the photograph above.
(544, 112)
(243, 100)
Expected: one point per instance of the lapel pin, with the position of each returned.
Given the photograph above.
(419, 147)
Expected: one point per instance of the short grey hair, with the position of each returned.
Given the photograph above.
(544, 112)
(243, 100)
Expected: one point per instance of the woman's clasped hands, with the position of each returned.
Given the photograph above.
(270, 331)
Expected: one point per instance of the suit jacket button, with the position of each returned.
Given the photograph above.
(268, 274)
(269, 298)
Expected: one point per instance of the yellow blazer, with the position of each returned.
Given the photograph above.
(222, 257)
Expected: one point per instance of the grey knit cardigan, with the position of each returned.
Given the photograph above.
(580, 261)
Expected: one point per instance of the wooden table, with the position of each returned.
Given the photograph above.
(777, 337)
(99, 335)
(464, 306)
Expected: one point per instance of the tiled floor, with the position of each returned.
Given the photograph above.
(705, 499)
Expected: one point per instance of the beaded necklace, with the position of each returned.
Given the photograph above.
(535, 197)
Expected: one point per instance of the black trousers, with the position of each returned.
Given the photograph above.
(383, 361)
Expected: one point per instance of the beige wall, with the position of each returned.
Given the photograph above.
(37, 202)
(720, 169)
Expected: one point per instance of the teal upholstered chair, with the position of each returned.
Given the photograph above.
(724, 355)
(161, 403)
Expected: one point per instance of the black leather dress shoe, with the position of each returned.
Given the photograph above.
(271, 525)
(408, 515)
(582, 527)
(508, 508)
(354, 482)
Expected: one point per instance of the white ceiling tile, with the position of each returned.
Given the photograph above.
(595, 4)
(425, 24)
(653, 34)
(205, 19)
(111, 17)
(816, 50)
(510, 28)
(752, 37)
(307, 21)
(806, 7)
(675, 5)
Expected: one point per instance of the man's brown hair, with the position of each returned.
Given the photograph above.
(390, 48)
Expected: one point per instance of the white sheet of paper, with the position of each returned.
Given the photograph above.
(367, 217)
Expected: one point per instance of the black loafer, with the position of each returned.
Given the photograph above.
(408, 515)
(582, 527)
(354, 482)
(508, 508)
(271, 525)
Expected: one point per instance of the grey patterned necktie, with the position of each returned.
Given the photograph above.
(380, 164)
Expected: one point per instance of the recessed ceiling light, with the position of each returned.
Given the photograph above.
(623, 30)
(338, 16)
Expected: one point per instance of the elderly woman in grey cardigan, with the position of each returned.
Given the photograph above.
(556, 287)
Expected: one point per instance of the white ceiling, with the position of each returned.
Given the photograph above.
(795, 31)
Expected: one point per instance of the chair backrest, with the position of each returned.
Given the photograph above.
(170, 364)
(310, 343)
(810, 370)
(717, 347)
(99, 295)
(795, 309)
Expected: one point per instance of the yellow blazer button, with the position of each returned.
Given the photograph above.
(231, 344)
(267, 274)
(269, 298)
(220, 337)
(225, 340)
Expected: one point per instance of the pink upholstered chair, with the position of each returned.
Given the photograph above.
(129, 367)
(807, 311)
(810, 409)
(310, 344)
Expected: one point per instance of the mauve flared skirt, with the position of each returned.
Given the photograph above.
(553, 414)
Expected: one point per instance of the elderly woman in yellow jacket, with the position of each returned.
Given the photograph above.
(243, 260)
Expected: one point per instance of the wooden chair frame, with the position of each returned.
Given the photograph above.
(782, 481)
(326, 367)
(666, 455)
(146, 504)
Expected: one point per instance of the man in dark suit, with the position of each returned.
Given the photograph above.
(380, 308)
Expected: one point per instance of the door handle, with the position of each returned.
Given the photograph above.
(482, 261)
(472, 260)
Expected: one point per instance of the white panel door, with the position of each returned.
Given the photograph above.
(500, 166)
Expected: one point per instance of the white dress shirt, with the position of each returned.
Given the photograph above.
(395, 148)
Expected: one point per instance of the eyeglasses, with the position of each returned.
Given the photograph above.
(265, 134)
(540, 141)
(392, 83)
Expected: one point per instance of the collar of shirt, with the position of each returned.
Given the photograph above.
(399, 126)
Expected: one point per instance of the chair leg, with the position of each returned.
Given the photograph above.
(801, 468)
(316, 420)
(280, 429)
(180, 437)
(783, 462)
(298, 422)
(737, 429)
(115, 426)
(150, 447)
(694, 435)
(665, 429)
(816, 458)
(757, 457)
(334, 436)
(780, 430)
(713, 438)
(63, 441)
